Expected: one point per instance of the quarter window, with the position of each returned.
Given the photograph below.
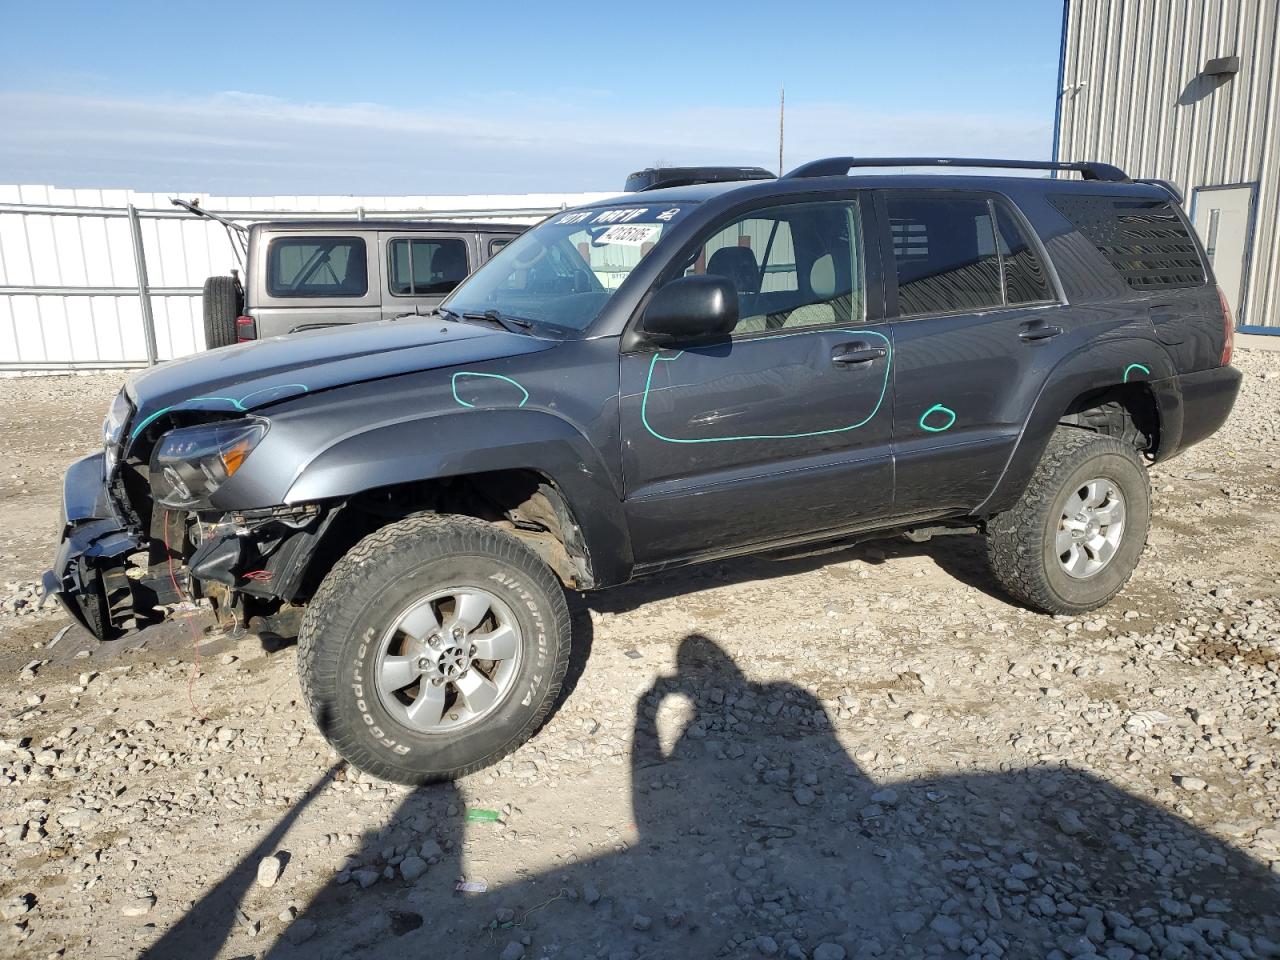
(317, 267)
(1145, 240)
(1025, 280)
(798, 265)
(426, 267)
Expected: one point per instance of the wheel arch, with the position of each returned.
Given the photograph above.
(1099, 387)
(530, 467)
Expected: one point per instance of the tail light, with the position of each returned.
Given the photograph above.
(1228, 329)
(246, 329)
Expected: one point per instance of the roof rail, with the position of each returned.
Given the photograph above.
(839, 166)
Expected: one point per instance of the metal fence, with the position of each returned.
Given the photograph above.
(102, 279)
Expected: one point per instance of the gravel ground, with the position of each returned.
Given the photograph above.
(862, 753)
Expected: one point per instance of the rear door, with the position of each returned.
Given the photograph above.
(783, 432)
(422, 269)
(975, 315)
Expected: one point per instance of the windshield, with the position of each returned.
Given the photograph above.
(564, 271)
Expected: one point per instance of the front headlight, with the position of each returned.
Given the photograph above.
(190, 463)
(113, 427)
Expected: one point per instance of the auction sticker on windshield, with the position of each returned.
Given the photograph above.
(630, 234)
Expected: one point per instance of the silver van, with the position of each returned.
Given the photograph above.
(303, 274)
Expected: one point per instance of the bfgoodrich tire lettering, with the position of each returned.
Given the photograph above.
(1021, 542)
(359, 601)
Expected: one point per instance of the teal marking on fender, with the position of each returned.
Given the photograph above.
(237, 404)
(1135, 366)
(453, 384)
(938, 408)
(884, 387)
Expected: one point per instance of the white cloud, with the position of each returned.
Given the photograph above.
(243, 144)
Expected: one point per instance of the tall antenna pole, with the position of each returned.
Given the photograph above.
(782, 122)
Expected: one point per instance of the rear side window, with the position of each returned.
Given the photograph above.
(497, 243)
(426, 267)
(317, 267)
(944, 250)
(959, 254)
(1145, 240)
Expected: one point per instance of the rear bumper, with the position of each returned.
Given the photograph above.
(90, 573)
(1207, 397)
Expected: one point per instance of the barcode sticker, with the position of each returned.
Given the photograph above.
(630, 234)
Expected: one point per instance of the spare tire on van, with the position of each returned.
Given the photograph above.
(223, 303)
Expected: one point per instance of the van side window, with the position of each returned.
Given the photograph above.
(944, 251)
(798, 265)
(426, 267)
(497, 243)
(317, 267)
(1025, 280)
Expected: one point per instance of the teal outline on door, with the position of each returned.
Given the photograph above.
(884, 388)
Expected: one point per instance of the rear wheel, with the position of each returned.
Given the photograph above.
(435, 647)
(223, 302)
(1075, 535)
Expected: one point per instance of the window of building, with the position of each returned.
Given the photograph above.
(317, 267)
(431, 267)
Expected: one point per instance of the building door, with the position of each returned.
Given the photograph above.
(1223, 218)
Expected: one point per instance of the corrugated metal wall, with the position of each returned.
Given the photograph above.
(1133, 95)
(51, 330)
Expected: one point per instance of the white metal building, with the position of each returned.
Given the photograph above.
(1187, 91)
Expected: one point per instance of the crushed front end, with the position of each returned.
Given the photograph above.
(140, 534)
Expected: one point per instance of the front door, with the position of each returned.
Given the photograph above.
(783, 432)
(1223, 220)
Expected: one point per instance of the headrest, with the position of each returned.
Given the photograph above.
(738, 266)
(822, 277)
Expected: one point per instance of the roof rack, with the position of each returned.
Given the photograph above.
(839, 166)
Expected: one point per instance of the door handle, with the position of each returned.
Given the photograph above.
(1038, 331)
(849, 354)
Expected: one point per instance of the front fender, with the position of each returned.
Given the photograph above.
(478, 441)
(1095, 366)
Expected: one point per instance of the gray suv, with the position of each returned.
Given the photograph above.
(319, 273)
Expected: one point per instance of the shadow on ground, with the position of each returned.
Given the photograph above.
(758, 835)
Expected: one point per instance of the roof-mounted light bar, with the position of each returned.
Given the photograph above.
(839, 166)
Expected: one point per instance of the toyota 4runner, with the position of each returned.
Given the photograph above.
(668, 377)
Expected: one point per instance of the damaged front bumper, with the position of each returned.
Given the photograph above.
(93, 575)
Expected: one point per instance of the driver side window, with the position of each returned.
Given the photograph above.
(798, 265)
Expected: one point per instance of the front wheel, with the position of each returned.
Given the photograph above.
(435, 647)
(1074, 537)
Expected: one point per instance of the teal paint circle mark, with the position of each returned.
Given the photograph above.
(884, 387)
(938, 408)
(1135, 366)
(453, 384)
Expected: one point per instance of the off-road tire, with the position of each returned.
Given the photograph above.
(1020, 541)
(353, 606)
(223, 302)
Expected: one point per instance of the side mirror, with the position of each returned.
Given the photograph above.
(696, 309)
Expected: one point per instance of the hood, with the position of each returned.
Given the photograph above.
(252, 375)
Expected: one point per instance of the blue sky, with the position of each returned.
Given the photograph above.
(413, 98)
